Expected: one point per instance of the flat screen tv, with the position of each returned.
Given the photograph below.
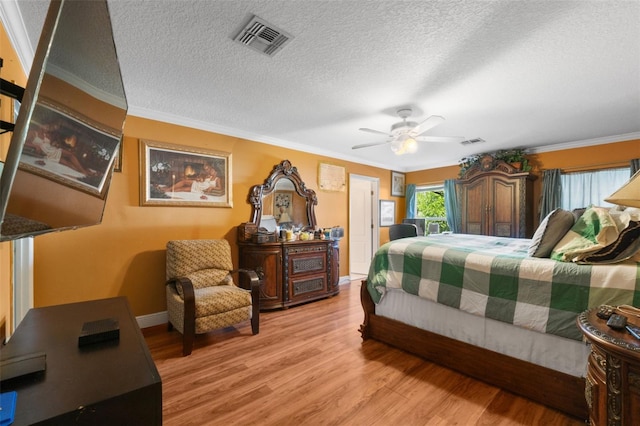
(69, 127)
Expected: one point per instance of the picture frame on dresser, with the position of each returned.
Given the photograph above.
(177, 175)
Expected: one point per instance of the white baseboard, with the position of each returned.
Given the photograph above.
(344, 280)
(159, 318)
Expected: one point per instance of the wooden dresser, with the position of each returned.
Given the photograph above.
(613, 373)
(497, 202)
(293, 272)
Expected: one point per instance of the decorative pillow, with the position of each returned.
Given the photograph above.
(627, 245)
(577, 213)
(594, 230)
(551, 230)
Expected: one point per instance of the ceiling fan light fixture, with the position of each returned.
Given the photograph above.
(397, 147)
(405, 135)
(410, 145)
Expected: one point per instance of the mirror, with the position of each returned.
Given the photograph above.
(283, 200)
(69, 127)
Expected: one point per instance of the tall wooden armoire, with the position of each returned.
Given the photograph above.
(496, 199)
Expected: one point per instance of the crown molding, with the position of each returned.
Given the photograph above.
(14, 26)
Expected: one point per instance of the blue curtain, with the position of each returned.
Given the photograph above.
(551, 192)
(411, 201)
(634, 166)
(451, 205)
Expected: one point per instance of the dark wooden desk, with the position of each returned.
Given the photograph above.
(109, 383)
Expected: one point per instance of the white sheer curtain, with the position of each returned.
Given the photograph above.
(583, 189)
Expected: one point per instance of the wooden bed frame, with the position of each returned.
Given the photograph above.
(549, 387)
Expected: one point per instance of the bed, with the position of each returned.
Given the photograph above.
(483, 306)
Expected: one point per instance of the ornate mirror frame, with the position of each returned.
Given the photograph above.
(284, 170)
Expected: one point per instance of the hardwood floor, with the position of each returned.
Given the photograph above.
(310, 366)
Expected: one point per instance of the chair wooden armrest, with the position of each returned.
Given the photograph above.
(188, 295)
(248, 279)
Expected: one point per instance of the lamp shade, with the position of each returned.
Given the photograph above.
(628, 195)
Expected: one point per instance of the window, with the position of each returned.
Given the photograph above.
(582, 189)
(430, 205)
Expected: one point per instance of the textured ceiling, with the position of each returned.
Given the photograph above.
(544, 74)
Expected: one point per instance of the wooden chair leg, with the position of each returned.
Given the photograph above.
(189, 326)
(187, 342)
(255, 306)
(255, 323)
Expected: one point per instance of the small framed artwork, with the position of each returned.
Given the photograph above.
(332, 177)
(387, 212)
(397, 184)
(176, 175)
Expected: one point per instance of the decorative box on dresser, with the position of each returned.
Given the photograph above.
(293, 272)
(496, 199)
(613, 373)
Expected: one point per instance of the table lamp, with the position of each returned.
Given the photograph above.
(628, 194)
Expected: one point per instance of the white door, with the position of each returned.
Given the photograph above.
(363, 196)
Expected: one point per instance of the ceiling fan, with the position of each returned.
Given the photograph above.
(405, 135)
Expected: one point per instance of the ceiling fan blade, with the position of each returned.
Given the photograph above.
(377, 132)
(439, 138)
(427, 124)
(366, 145)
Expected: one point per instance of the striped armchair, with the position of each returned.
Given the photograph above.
(201, 293)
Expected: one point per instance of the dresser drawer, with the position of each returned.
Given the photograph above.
(305, 260)
(307, 286)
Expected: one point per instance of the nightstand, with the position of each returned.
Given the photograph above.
(613, 373)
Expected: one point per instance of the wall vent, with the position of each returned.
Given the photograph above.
(472, 141)
(263, 37)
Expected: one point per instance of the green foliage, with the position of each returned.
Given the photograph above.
(511, 155)
(431, 204)
(516, 155)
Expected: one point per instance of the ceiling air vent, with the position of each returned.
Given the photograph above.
(472, 141)
(263, 37)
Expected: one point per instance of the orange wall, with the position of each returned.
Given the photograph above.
(11, 71)
(125, 254)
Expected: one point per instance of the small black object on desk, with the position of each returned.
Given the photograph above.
(103, 330)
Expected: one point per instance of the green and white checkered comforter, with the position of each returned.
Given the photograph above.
(493, 277)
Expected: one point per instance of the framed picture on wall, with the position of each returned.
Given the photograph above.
(176, 175)
(387, 212)
(397, 184)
